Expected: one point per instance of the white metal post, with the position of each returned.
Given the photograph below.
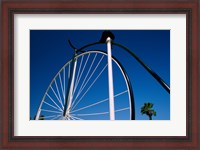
(70, 96)
(110, 80)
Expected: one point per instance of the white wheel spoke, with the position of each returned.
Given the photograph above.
(62, 87)
(56, 96)
(92, 114)
(61, 117)
(84, 67)
(90, 87)
(72, 118)
(122, 109)
(52, 106)
(45, 117)
(76, 117)
(54, 102)
(88, 70)
(83, 85)
(50, 111)
(90, 105)
(56, 117)
(101, 113)
(58, 93)
(99, 102)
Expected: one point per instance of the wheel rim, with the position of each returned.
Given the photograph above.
(89, 95)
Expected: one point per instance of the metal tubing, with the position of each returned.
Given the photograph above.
(159, 79)
(110, 80)
(69, 88)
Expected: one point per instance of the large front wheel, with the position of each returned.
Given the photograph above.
(89, 97)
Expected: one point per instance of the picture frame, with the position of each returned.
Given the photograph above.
(10, 8)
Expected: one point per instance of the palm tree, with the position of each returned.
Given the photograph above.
(147, 109)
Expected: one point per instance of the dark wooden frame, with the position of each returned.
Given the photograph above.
(11, 7)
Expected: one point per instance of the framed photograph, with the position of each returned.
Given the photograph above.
(100, 74)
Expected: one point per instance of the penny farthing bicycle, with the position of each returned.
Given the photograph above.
(93, 85)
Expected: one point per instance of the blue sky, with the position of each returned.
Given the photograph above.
(49, 51)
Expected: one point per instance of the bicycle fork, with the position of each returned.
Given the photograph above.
(70, 88)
